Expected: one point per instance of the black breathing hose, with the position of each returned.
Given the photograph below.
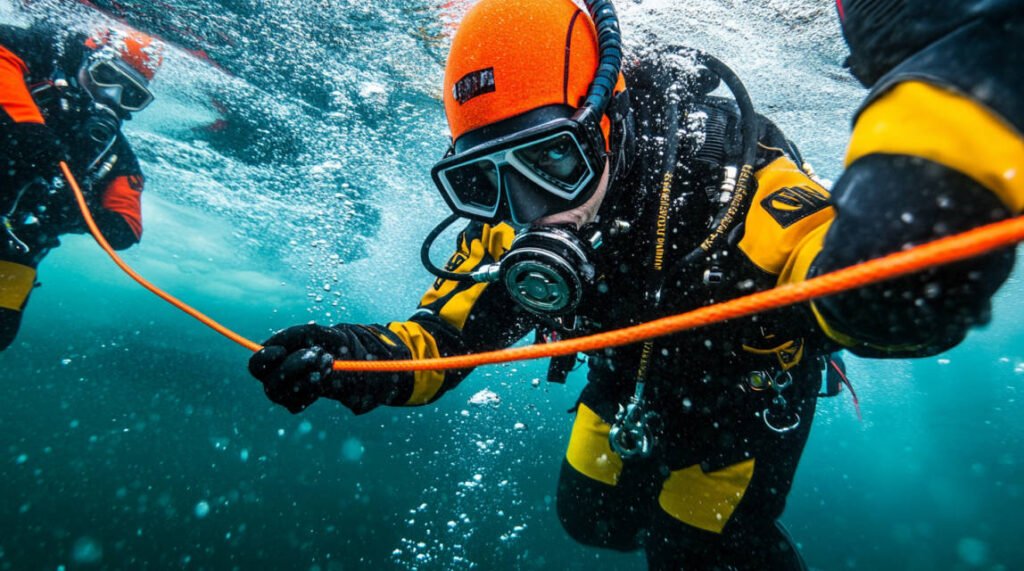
(609, 46)
(425, 252)
(730, 213)
(748, 118)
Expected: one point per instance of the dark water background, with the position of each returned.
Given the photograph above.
(133, 438)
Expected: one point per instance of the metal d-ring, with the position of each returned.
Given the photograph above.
(780, 429)
(782, 381)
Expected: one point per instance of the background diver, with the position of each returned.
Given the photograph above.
(595, 207)
(63, 97)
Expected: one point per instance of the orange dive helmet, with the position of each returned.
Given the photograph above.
(527, 87)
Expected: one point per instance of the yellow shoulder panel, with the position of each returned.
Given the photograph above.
(922, 120)
(787, 206)
(805, 252)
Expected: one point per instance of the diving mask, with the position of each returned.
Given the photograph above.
(522, 174)
(114, 83)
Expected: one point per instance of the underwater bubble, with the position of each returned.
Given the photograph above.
(352, 449)
(202, 509)
(305, 427)
(86, 551)
(244, 454)
(972, 551)
(485, 397)
(22, 458)
(219, 442)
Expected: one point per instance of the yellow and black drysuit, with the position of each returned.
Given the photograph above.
(733, 402)
(719, 476)
(36, 131)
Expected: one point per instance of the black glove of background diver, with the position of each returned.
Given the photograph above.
(295, 367)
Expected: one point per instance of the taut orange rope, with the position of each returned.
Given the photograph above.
(944, 251)
(954, 248)
(95, 231)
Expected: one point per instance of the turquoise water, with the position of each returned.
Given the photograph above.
(134, 438)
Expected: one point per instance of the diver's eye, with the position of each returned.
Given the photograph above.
(557, 152)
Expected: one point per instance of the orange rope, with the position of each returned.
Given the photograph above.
(946, 250)
(943, 251)
(95, 231)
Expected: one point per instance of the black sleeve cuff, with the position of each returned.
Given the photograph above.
(887, 203)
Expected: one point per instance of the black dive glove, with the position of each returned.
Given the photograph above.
(295, 367)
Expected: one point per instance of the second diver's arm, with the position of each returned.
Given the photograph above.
(924, 162)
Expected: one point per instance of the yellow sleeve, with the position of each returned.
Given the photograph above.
(917, 119)
(452, 302)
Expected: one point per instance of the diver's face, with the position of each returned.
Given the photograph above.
(584, 213)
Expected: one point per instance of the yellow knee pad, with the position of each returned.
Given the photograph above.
(589, 451)
(706, 500)
(16, 282)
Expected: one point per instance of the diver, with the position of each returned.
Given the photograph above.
(64, 97)
(606, 190)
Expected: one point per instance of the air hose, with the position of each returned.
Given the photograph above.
(425, 253)
(609, 46)
(732, 211)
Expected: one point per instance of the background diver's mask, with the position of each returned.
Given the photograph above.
(116, 90)
(114, 84)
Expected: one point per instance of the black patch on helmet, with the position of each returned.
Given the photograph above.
(473, 84)
(792, 204)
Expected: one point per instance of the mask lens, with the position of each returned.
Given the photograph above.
(557, 161)
(135, 98)
(474, 185)
(105, 74)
